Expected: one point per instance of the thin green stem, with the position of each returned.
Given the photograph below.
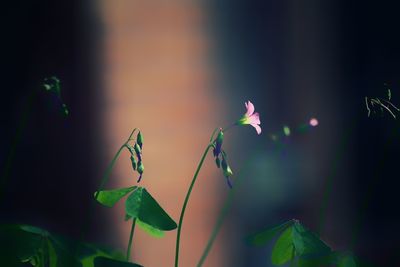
(222, 215)
(17, 138)
(110, 167)
(178, 237)
(103, 182)
(212, 136)
(108, 171)
(330, 179)
(128, 252)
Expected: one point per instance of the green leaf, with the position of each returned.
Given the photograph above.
(109, 198)
(149, 229)
(52, 254)
(283, 250)
(262, 238)
(347, 261)
(107, 262)
(307, 244)
(140, 204)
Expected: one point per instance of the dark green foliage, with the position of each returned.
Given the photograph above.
(109, 198)
(107, 262)
(262, 238)
(301, 247)
(141, 205)
(24, 244)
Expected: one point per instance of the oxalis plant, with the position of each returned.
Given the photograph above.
(22, 245)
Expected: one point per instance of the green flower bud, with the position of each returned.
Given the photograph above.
(134, 163)
(131, 149)
(140, 167)
(139, 139)
(218, 143)
(138, 151)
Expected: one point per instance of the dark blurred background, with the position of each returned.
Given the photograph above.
(295, 60)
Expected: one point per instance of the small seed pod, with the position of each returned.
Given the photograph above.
(139, 139)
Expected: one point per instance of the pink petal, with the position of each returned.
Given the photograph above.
(255, 118)
(257, 127)
(249, 107)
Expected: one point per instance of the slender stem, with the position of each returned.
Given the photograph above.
(128, 252)
(178, 237)
(103, 182)
(17, 138)
(223, 213)
(107, 173)
(330, 179)
(212, 136)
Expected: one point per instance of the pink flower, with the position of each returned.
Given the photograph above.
(250, 117)
(313, 122)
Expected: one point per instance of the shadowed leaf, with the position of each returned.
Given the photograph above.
(107, 262)
(140, 204)
(262, 238)
(283, 250)
(109, 198)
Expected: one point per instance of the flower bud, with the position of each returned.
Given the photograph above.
(139, 139)
(138, 151)
(218, 143)
(131, 149)
(134, 163)
(140, 167)
(225, 168)
(218, 162)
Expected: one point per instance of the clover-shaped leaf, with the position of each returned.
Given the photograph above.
(262, 238)
(109, 198)
(141, 205)
(307, 243)
(283, 250)
(107, 262)
(296, 244)
(150, 229)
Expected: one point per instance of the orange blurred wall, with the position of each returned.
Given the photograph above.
(157, 77)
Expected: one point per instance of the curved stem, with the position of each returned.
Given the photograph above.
(108, 171)
(15, 142)
(128, 252)
(178, 237)
(212, 136)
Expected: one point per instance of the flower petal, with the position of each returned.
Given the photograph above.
(250, 108)
(257, 127)
(255, 118)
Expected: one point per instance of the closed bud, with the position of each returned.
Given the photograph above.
(139, 139)
(218, 162)
(218, 143)
(134, 163)
(131, 149)
(138, 151)
(140, 167)
(225, 168)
